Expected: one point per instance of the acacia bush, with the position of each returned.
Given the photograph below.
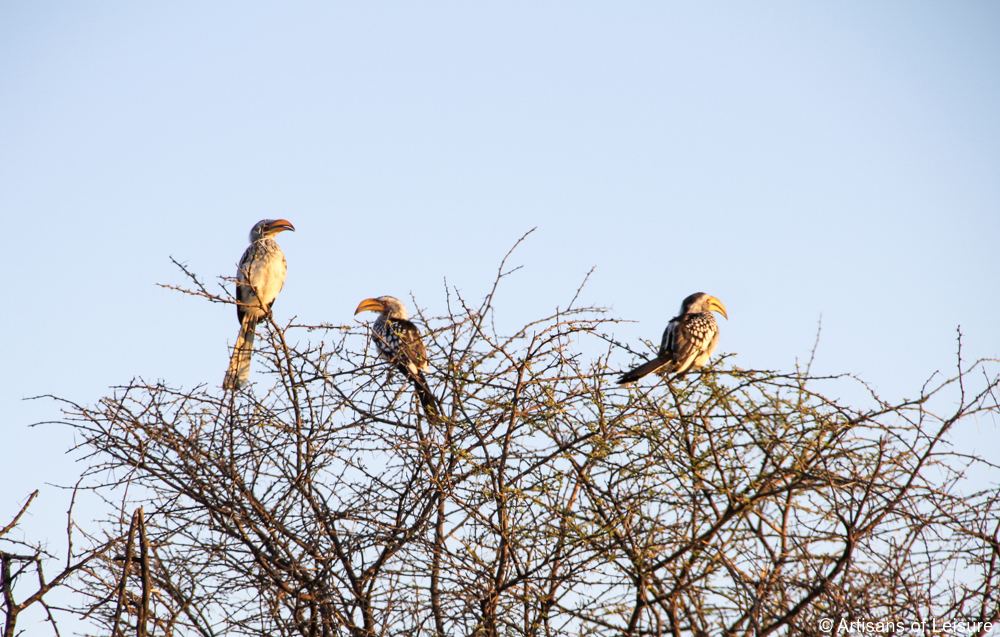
(542, 500)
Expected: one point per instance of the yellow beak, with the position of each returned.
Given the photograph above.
(716, 305)
(370, 304)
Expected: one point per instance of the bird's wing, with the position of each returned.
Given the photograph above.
(404, 347)
(411, 345)
(243, 291)
(668, 345)
(691, 337)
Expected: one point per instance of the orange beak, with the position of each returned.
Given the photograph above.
(279, 225)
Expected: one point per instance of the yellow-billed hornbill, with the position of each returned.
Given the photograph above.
(688, 341)
(259, 277)
(398, 341)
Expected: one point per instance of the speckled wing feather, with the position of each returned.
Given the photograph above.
(689, 340)
(399, 342)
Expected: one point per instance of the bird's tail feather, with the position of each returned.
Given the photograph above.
(239, 364)
(424, 394)
(642, 370)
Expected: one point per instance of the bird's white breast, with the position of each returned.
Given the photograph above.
(265, 272)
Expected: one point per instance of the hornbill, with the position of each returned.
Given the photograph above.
(688, 341)
(259, 278)
(398, 341)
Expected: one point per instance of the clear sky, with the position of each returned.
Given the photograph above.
(795, 159)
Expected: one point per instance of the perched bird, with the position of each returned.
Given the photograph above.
(688, 341)
(398, 341)
(259, 278)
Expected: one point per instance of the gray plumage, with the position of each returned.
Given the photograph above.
(259, 278)
(688, 342)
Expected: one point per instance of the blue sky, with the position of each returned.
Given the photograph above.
(795, 159)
